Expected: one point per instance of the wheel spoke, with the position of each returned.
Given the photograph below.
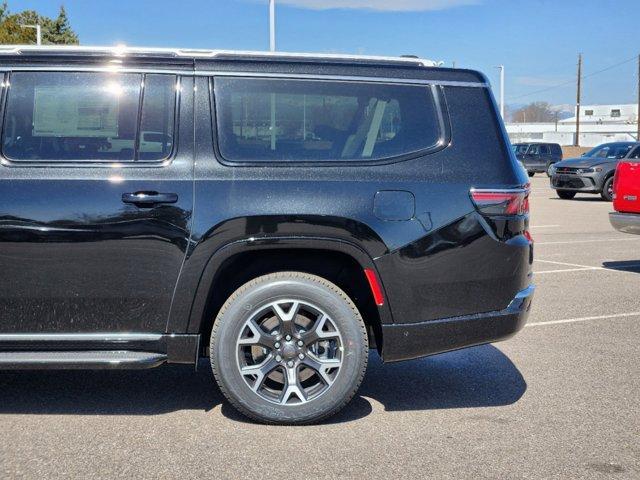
(317, 331)
(260, 371)
(293, 387)
(322, 366)
(287, 318)
(258, 336)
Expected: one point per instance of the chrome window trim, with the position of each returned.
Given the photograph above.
(94, 69)
(444, 137)
(80, 337)
(241, 73)
(339, 78)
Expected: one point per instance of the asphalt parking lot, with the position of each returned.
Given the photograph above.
(559, 400)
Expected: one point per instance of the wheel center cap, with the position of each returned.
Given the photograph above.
(289, 350)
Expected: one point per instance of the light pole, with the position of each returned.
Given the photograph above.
(38, 32)
(501, 68)
(272, 25)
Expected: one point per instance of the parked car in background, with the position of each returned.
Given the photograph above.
(593, 171)
(537, 157)
(626, 198)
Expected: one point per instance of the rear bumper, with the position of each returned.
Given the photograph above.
(414, 340)
(625, 222)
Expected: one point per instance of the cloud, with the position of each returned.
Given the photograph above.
(379, 5)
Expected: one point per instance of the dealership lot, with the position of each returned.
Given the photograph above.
(559, 400)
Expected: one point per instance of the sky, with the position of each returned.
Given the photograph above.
(537, 41)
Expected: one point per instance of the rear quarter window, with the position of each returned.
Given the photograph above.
(279, 120)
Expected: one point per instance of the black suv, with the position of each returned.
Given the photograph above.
(537, 157)
(278, 213)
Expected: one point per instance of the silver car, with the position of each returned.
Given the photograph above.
(593, 171)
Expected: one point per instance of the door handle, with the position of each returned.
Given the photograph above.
(149, 198)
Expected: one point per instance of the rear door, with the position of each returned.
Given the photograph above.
(531, 159)
(96, 198)
(544, 157)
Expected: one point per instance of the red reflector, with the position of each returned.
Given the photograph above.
(502, 202)
(376, 289)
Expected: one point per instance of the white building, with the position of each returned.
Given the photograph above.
(598, 124)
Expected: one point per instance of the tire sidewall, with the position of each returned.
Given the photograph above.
(239, 309)
(605, 189)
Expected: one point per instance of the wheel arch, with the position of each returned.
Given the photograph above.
(240, 261)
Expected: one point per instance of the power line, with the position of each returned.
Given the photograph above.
(572, 81)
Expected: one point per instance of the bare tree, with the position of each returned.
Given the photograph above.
(534, 112)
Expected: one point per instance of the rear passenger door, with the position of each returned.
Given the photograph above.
(545, 156)
(96, 196)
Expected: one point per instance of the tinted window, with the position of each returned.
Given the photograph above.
(87, 116)
(520, 148)
(613, 150)
(555, 149)
(71, 116)
(292, 120)
(544, 149)
(158, 110)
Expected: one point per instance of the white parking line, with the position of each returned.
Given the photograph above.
(577, 267)
(565, 242)
(584, 319)
(567, 270)
(565, 263)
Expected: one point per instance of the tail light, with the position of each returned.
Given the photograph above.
(505, 210)
(502, 202)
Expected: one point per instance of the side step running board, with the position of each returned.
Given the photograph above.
(80, 360)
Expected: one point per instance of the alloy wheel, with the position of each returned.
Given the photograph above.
(289, 352)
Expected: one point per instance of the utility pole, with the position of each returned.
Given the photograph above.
(501, 68)
(272, 25)
(577, 142)
(38, 32)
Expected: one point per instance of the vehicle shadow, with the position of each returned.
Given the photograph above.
(476, 377)
(632, 266)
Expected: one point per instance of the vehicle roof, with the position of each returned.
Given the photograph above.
(536, 143)
(617, 143)
(208, 61)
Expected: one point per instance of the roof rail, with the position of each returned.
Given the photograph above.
(123, 50)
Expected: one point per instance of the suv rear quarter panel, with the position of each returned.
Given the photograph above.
(336, 202)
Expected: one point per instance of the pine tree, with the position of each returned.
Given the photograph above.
(60, 31)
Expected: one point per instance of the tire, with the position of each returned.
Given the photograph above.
(565, 194)
(531, 174)
(607, 190)
(296, 381)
